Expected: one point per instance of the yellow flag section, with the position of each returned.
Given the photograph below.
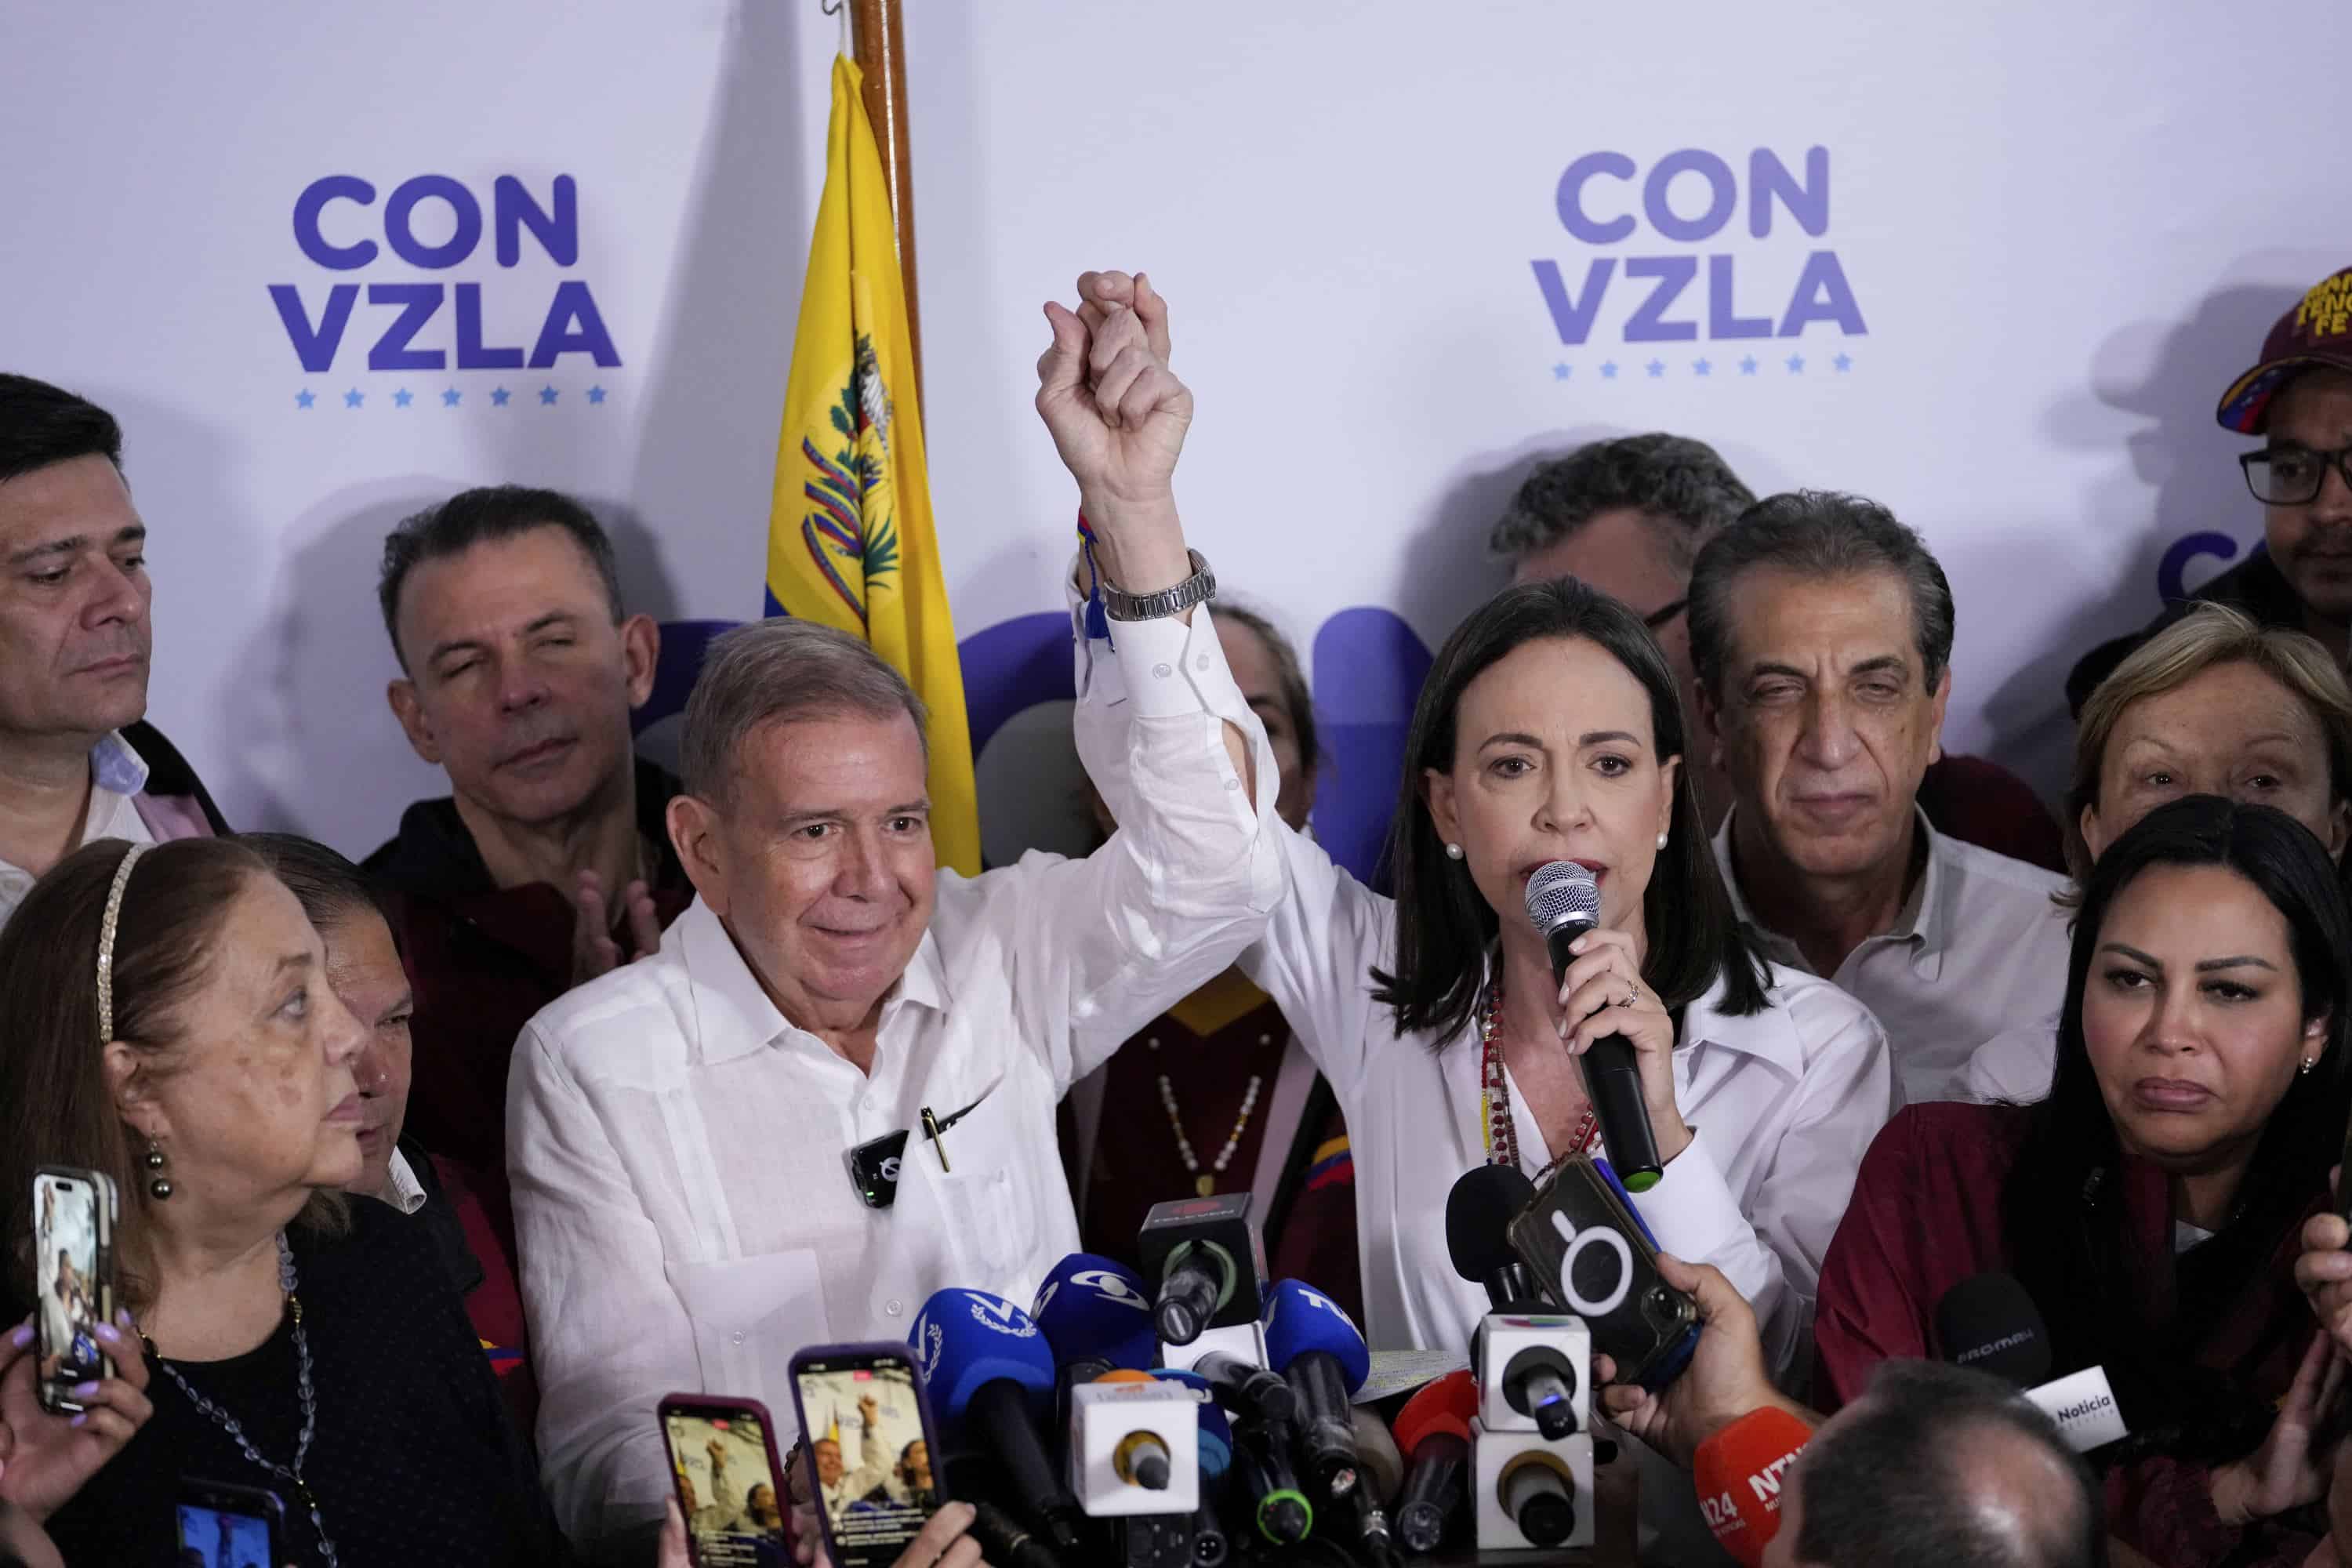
(850, 539)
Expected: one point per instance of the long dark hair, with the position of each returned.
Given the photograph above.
(1445, 926)
(2062, 1207)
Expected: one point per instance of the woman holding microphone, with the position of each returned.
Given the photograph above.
(1550, 728)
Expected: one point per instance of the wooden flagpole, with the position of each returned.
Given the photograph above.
(881, 55)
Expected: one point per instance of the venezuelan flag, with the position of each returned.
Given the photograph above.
(850, 539)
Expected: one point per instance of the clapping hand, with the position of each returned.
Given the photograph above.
(594, 950)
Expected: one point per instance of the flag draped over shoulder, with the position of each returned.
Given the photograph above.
(850, 539)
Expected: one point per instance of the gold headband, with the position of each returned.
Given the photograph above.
(106, 942)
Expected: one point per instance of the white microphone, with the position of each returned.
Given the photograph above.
(2085, 1408)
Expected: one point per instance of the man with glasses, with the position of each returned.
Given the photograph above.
(2299, 399)
(1629, 516)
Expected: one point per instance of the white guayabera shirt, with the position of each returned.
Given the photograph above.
(685, 1213)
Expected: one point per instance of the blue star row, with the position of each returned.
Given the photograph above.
(451, 397)
(1747, 365)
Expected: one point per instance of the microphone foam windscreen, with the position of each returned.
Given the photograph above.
(965, 1340)
(1090, 1306)
(1989, 1323)
(1562, 892)
(1740, 1473)
(1216, 1431)
(1300, 1318)
(1479, 1214)
(1444, 1406)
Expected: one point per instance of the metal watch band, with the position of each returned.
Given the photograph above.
(1197, 589)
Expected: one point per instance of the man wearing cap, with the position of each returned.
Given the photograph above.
(2299, 397)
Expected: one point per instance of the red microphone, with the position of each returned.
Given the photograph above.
(1740, 1472)
(1433, 1433)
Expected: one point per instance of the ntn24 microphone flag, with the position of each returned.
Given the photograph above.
(850, 537)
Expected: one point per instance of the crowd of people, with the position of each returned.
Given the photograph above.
(438, 1171)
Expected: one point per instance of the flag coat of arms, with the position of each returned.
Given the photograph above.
(850, 537)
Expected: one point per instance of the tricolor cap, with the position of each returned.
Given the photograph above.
(2316, 333)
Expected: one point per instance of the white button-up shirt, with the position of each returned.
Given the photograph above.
(1980, 947)
(1782, 1105)
(2013, 1068)
(117, 773)
(685, 1212)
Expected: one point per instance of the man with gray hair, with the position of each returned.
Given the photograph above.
(1629, 515)
(831, 1091)
(1821, 629)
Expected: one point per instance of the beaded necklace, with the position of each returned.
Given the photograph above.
(1204, 1182)
(287, 1280)
(1495, 1125)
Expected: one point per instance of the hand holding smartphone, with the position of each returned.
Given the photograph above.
(728, 1479)
(73, 1278)
(868, 1430)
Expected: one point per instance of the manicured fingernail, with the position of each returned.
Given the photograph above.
(21, 1335)
(78, 1419)
(85, 1390)
(1577, 945)
(107, 1332)
(1560, 1028)
(124, 1318)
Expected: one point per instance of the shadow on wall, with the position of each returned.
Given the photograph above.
(308, 693)
(2166, 374)
(714, 384)
(178, 472)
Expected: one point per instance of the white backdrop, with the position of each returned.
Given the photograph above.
(2060, 230)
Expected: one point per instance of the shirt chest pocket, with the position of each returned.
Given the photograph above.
(749, 1315)
(981, 1202)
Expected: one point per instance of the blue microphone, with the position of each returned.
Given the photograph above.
(1216, 1431)
(989, 1371)
(1092, 1309)
(1310, 1340)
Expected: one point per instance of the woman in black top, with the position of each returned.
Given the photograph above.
(170, 1022)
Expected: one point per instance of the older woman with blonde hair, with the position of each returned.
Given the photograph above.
(2214, 704)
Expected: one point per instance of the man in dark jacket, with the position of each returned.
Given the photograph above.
(2299, 397)
(548, 863)
(77, 760)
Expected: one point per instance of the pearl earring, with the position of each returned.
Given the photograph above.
(159, 1185)
(1453, 852)
(1662, 841)
(2308, 1063)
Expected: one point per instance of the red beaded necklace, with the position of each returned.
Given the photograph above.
(1495, 1125)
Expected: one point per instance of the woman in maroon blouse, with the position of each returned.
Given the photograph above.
(2150, 1206)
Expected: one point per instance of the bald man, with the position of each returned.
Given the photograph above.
(1939, 1464)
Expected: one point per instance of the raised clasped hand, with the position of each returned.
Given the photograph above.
(1118, 416)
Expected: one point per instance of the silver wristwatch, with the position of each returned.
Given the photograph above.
(1197, 589)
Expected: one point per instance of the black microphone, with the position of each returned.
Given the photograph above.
(1281, 1510)
(1540, 1382)
(1004, 1540)
(1564, 903)
(1989, 1323)
(1479, 1214)
(1250, 1390)
(1541, 1498)
(1432, 1431)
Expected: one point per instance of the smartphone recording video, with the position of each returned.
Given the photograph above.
(226, 1526)
(70, 1215)
(870, 1449)
(730, 1486)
